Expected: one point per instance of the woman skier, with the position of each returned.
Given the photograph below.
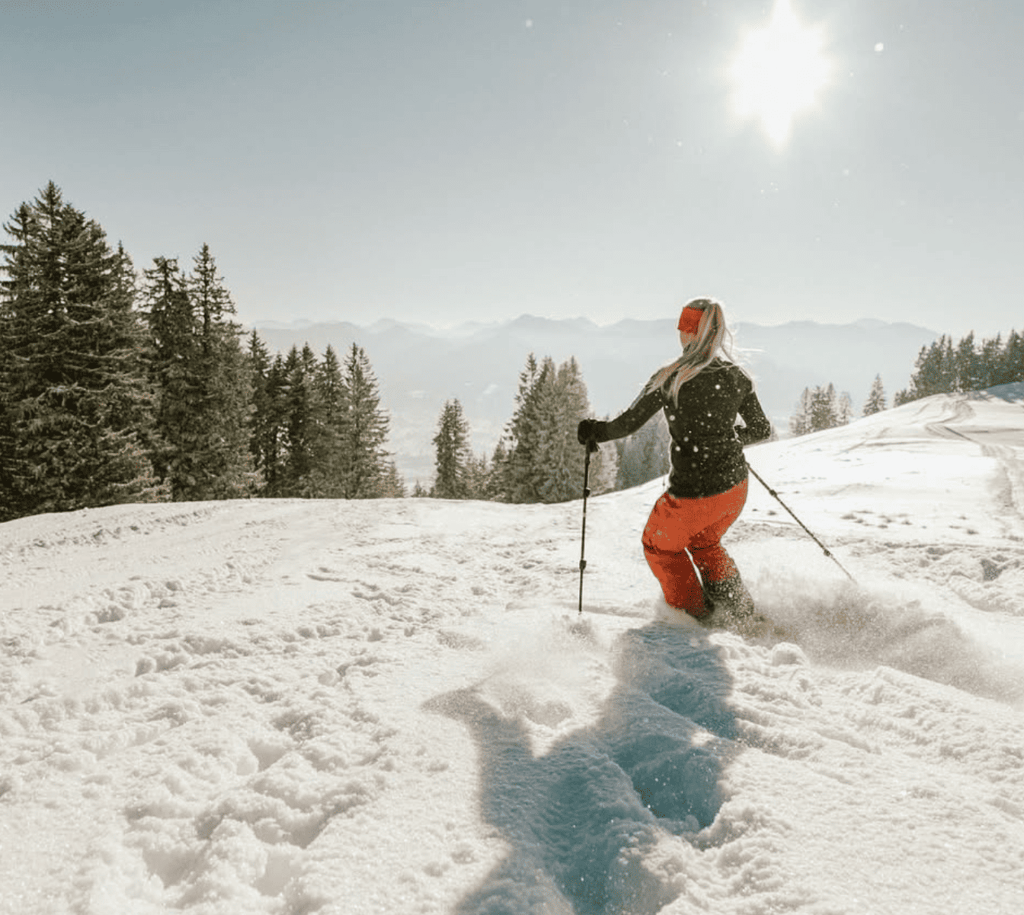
(701, 393)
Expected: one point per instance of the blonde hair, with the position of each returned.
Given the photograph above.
(713, 337)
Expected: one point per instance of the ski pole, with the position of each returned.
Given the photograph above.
(591, 447)
(824, 548)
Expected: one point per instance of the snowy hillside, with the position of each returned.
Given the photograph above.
(381, 707)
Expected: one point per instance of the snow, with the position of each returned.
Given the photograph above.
(391, 707)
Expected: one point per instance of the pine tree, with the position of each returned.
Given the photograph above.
(935, 371)
(645, 454)
(301, 419)
(561, 457)
(823, 408)
(452, 453)
(604, 470)
(363, 459)
(968, 370)
(173, 368)
(943, 368)
(75, 401)
(800, 422)
(542, 461)
(1012, 361)
(275, 429)
(327, 430)
(990, 362)
(552, 473)
(391, 485)
(519, 476)
(876, 398)
(497, 490)
(227, 465)
(478, 477)
(263, 426)
(921, 380)
(844, 410)
(204, 383)
(820, 409)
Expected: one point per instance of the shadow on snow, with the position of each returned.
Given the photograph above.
(582, 818)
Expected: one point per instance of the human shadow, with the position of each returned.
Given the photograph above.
(581, 817)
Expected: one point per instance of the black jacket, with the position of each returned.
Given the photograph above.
(707, 445)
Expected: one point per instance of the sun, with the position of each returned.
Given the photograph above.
(779, 72)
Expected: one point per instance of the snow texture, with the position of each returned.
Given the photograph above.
(392, 707)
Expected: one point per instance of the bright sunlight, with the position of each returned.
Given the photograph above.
(779, 72)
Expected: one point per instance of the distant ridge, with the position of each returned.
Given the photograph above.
(419, 367)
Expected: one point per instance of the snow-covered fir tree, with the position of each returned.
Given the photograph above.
(943, 368)
(800, 421)
(520, 442)
(318, 428)
(820, 408)
(391, 485)
(452, 453)
(228, 470)
(327, 424)
(645, 454)
(478, 476)
(934, 372)
(560, 458)
(542, 461)
(203, 382)
(876, 398)
(265, 433)
(301, 411)
(823, 408)
(1011, 360)
(969, 372)
(76, 403)
(364, 472)
(844, 410)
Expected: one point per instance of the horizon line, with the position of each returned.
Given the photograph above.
(301, 323)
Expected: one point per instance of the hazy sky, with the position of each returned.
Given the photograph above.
(478, 159)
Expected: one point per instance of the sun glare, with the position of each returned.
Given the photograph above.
(779, 72)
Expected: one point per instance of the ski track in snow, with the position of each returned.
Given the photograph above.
(379, 707)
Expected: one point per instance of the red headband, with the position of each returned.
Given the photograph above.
(689, 320)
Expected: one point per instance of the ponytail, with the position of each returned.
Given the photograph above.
(712, 337)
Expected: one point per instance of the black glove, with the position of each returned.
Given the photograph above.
(586, 433)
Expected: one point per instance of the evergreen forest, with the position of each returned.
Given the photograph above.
(942, 368)
(120, 385)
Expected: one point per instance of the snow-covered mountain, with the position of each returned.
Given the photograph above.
(385, 707)
(419, 367)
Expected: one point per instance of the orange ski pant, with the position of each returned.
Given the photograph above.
(682, 537)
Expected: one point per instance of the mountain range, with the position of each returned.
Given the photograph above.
(419, 367)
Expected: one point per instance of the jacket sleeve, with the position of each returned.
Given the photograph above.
(632, 418)
(757, 427)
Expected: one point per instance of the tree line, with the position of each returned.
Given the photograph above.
(120, 386)
(537, 458)
(820, 408)
(318, 429)
(941, 368)
(945, 368)
(124, 386)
